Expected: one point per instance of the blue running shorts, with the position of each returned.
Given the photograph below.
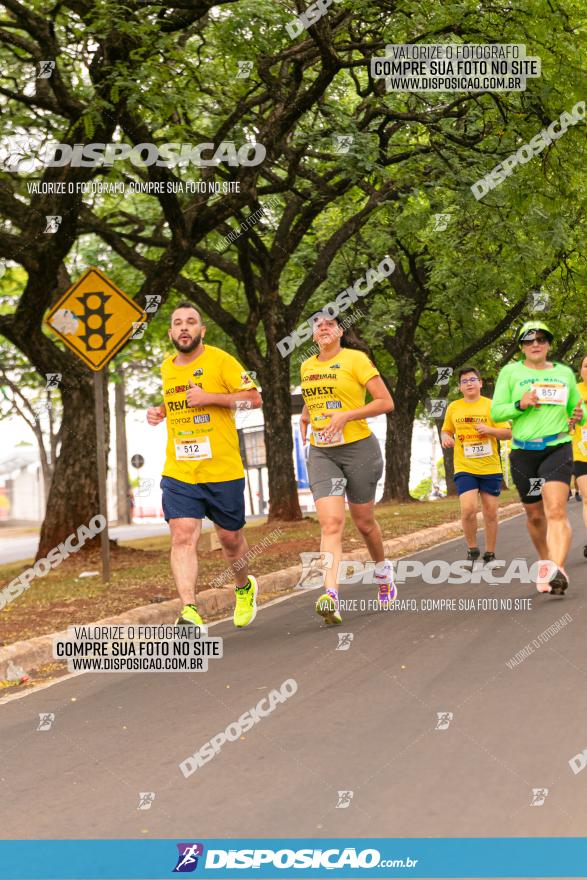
(489, 483)
(223, 503)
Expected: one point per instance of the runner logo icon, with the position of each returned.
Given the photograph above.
(344, 641)
(539, 795)
(443, 375)
(146, 799)
(46, 68)
(536, 484)
(444, 719)
(46, 720)
(344, 800)
(187, 860)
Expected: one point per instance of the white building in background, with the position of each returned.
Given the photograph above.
(22, 495)
(21, 481)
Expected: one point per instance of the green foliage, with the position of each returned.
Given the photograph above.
(424, 487)
(170, 73)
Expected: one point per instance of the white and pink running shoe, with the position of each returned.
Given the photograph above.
(383, 577)
(552, 578)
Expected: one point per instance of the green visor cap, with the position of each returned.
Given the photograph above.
(531, 327)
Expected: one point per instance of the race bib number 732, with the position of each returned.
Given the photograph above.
(478, 450)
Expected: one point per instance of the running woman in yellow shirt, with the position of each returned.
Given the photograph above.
(579, 436)
(203, 473)
(470, 430)
(344, 456)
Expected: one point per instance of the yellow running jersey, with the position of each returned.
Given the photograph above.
(335, 386)
(202, 442)
(579, 435)
(474, 453)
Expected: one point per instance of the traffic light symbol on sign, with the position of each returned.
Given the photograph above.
(94, 318)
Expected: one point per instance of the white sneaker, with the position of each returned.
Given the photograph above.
(546, 572)
(383, 577)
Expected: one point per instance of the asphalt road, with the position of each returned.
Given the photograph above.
(362, 720)
(16, 547)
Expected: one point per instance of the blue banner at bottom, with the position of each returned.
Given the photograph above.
(296, 857)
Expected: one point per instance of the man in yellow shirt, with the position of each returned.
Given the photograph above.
(470, 430)
(203, 473)
(580, 448)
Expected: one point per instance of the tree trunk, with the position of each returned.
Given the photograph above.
(46, 469)
(122, 481)
(398, 450)
(73, 498)
(283, 490)
(449, 463)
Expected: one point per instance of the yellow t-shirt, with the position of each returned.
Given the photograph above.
(580, 433)
(202, 442)
(474, 453)
(335, 386)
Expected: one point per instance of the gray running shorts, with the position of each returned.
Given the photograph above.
(353, 469)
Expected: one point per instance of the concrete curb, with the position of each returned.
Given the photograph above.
(33, 653)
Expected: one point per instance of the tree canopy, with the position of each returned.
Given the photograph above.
(347, 174)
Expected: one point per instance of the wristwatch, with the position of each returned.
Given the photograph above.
(518, 406)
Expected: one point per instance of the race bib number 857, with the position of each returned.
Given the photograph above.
(551, 392)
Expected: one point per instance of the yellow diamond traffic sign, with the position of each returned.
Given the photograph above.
(94, 318)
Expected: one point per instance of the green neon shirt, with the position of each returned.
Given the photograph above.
(536, 421)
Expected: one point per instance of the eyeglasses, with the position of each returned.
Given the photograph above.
(470, 381)
(541, 340)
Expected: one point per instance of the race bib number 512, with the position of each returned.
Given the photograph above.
(193, 450)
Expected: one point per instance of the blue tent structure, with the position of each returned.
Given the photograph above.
(300, 460)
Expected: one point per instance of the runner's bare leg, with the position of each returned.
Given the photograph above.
(185, 532)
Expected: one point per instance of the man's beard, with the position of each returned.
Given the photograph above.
(187, 347)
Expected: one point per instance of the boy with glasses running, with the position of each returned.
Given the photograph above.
(541, 397)
(470, 430)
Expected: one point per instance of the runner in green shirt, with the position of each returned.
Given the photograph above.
(540, 397)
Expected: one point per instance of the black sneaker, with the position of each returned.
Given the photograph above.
(473, 553)
(559, 583)
(488, 557)
(578, 496)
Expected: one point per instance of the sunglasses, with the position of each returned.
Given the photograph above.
(541, 340)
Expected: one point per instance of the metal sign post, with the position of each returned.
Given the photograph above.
(99, 380)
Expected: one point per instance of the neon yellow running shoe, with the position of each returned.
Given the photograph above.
(189, 614)
(327, 607)
(245, 609)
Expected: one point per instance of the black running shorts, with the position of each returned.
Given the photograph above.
(533, 467)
